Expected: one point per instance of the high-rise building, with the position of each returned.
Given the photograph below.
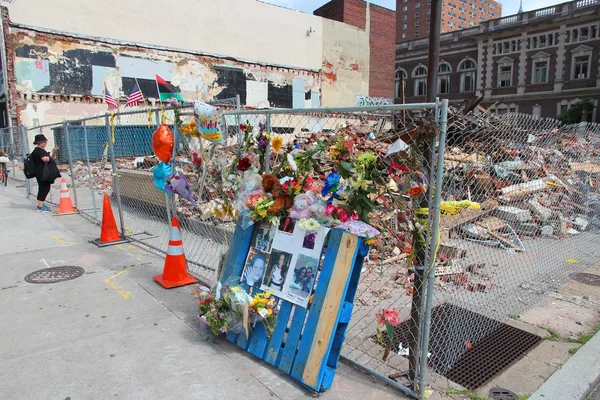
(413, 16)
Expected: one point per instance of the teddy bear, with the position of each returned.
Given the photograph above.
(303, 207)
(282, 202)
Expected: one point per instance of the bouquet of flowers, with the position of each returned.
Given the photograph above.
(263, 308)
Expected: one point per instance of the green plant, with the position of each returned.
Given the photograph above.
(468, 394)
(523, 396)
(573, 350)
(514, 316)
(554, 336)
(575, 114)
(583, 339)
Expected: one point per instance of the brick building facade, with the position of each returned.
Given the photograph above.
(381, 25)
(539, 62)
(414, 15)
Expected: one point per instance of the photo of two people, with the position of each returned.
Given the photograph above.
(304, 276)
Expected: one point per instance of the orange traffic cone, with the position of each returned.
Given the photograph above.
(109, 234)
(175, 271)
(65, 206)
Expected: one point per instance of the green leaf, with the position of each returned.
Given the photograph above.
(345, 165)
(390, 331)
(359, 209)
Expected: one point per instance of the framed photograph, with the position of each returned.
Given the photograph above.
(305, 271)
(287, 225)
(277, 271)
(263, 237)
(255, 268)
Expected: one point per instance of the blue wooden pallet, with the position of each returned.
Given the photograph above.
(306, 343)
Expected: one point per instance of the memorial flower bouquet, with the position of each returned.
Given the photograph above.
(263, 309)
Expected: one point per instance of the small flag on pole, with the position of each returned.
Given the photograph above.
(135, 97)
(166, 90)
(109, 100)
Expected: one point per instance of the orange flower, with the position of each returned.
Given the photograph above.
(416, 191)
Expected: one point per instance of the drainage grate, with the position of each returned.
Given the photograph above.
(502, 394)
(588, 279)
(54, 274)
(494, 345)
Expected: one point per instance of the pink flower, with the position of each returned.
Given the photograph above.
(354, 215)
(388, 316)
(329, 208)
(254, 198)
(223, 329)
(343, 216)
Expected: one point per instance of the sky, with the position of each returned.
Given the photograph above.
(508, 6)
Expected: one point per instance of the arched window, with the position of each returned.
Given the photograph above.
(444, 71)
(400, 82)
(467, 70)
(420, 80)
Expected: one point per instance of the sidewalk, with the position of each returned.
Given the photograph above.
(113, 332)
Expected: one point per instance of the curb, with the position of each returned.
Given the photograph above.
(576, 378)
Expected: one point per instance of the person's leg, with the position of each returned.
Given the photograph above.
(43, 190)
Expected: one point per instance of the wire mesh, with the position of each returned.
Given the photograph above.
(536, 181)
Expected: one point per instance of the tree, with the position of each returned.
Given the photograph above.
(574, 115)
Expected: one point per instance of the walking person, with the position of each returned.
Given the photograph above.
(40, 158)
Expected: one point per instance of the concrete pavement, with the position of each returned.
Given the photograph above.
(113, 332)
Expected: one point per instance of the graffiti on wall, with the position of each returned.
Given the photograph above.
(80, 69)
(365, 101)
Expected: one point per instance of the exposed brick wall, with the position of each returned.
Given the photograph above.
(383, 44)
(333, 10)
(355, 13)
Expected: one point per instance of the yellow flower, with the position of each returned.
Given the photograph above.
(262, 212)
(217, 213)
(370, 241)
(334, 153)
(269, 311)
(360, 183)
(266, 135)
(276, 143)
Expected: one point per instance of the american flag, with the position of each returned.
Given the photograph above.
(109, 100)
(135, 97)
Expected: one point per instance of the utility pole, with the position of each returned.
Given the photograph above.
(419, 251)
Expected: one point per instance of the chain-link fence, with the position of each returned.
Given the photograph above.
(11, 147)
(519, 212)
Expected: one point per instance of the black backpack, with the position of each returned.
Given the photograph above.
(29, 166)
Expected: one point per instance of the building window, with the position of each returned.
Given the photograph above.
(404, 8)
(427, 20)
(420, 81)
(400, 82)
(417, 33)
(417, 23)
(404, 17)
(427, 30)
(404, 26)
(505, 76)
(584, 34)
(428, 11)
(417, 5)
(582, 67)
(541, 72)
(467, 70)
(417, 14)
(444, 78)
(404, 36)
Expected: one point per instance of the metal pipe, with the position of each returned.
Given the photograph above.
(268, 149)
(434, 243)
(113, 161)
(382, 108)
(25, 151)
(14, 150)
(90, 176)
(385, 379)
(66, 131)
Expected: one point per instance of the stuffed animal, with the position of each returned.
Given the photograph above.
(180, 186)
(282, 202)
(303, 207)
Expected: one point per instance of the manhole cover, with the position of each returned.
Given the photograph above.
(588, 279)
(466, 347)
(502, 394)
(54, 274)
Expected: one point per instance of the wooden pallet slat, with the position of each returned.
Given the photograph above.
(274, 347)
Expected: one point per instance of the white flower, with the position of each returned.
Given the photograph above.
(309, 224)
(292, 162)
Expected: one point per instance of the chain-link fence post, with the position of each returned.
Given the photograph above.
(25, 152)
(268, 149)
(89, 167)
(67, 140)
(113, 161)
(173, 165)
(434, 238)
(14, 153)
